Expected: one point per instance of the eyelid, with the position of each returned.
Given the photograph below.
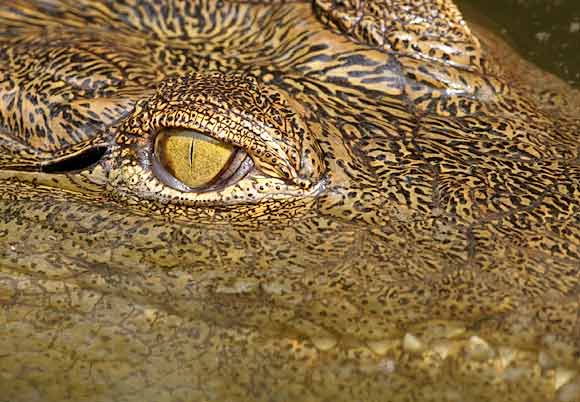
(271, 153)
(234, 109)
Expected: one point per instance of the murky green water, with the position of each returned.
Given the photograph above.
(546, 32)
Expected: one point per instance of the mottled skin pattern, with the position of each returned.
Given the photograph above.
(410, 230)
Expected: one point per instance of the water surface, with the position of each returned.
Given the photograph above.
(546, 32)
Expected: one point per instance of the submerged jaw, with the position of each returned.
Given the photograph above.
(285, 301)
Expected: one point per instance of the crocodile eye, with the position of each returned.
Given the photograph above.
(190, 161)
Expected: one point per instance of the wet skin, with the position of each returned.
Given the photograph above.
(401, 221)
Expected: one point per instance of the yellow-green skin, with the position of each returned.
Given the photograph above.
(410, 230)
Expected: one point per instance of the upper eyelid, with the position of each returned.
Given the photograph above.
(277, 151)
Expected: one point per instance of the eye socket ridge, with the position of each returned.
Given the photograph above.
(192, 162)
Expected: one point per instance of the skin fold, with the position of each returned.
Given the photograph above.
(406, 227)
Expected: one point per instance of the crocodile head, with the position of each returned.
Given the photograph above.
(260, 201)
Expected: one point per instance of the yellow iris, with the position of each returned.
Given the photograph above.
(194, 159)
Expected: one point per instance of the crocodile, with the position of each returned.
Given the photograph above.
(346, 200)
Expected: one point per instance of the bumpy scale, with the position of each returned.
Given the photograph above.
(399, 220)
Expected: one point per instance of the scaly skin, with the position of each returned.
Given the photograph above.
(410, 229)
